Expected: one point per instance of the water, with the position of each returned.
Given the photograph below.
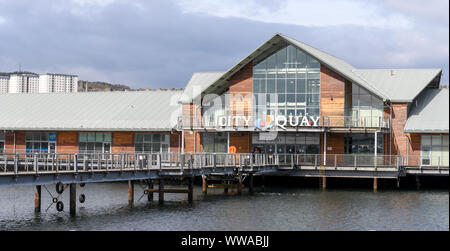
(276, 209)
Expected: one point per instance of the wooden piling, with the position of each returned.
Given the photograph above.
(37, 199)
(324, 182)
(204, 185)
(263, 183)
(191, 189)
(418, 182)
(130, 192)
(225, 190)
(375, 184)
(150, 187)
(73, 200)
(250, 183)
(239, 185)
(161, 192)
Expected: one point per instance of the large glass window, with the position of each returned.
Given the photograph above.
(301, 143)
(40, 141)
(2, 142)
(94, 142)
(363, 144)
(288, 82)
(215, 142)
(151, 142)
(434, 150)
(367, 110)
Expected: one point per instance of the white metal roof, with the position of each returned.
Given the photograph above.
(400, 85)
(92, 111)
(431, 114)
(197, 84)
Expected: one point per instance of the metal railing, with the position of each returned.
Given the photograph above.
(48, 163)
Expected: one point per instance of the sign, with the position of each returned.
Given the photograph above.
(269, 122)
(52, 136)
(232, 149)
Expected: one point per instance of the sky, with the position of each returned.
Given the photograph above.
(161, 43)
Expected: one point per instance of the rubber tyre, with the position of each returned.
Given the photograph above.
(59, 188)
(82, 198)
(60, 206)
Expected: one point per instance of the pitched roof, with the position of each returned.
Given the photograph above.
(93, 111)
(197, 84)
(400, 85)
(378, 82)
(431, 114)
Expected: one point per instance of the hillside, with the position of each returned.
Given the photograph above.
(100, 86)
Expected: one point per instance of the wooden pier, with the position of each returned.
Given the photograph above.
(218, 171)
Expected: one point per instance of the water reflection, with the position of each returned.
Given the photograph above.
(106, 208)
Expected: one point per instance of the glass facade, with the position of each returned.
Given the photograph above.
(2, 142)
(215, 142)
(286, 83)
(287, 143)
(151, 142)
(367, 110)
(40, 142)
(363, 144)
(94, 142)
(434, 150)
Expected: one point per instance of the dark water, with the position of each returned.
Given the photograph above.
(276, 209)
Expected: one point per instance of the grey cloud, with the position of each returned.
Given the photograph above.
(152, 45)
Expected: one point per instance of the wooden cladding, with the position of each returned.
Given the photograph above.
(332, 96)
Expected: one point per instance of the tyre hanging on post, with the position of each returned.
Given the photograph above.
(60, 206)
(59, 188)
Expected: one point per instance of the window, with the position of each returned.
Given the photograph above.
(290, 82)
(215, 142)
(302, 143)
(94, 142)
(2, 142)
(151, 142)
(367, 110)
(434, 150)
(40, 141)
(363, 144)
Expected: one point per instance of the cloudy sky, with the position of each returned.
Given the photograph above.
(151, 44)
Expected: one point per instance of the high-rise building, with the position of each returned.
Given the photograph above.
(28, 82)
(4, 83)
(51, 82)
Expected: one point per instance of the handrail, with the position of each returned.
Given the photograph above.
(37, 163)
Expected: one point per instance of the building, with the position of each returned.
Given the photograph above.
(28, 82)
(51, 83)
(286, 97)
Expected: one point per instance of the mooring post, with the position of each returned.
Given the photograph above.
(250, 183)
(130, 192)
(204, 185)
(150, 187)
(161, 191)
(37, 199)
(191, 189)
(375, 184)
(73, 200)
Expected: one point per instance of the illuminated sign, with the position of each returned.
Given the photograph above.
(270, 122)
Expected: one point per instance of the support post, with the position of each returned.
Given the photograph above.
(161, 191)
(204, 185)
(263, 183)
(37, 199)
(418, 182)
(150, 187)
(250, 183)
(191, 190)
(240, 185)
(130, 192)
(325, 148)
(225, 190)
(73, 200)
(324, 183)
(375, 184)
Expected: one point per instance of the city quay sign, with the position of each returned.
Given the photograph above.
(270, 122)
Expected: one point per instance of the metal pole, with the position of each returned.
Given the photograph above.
(375, 184)
(325, 149)
(204, 185)
(191, 189)
(161, 191)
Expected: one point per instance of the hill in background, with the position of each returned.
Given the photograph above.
(100, 87)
